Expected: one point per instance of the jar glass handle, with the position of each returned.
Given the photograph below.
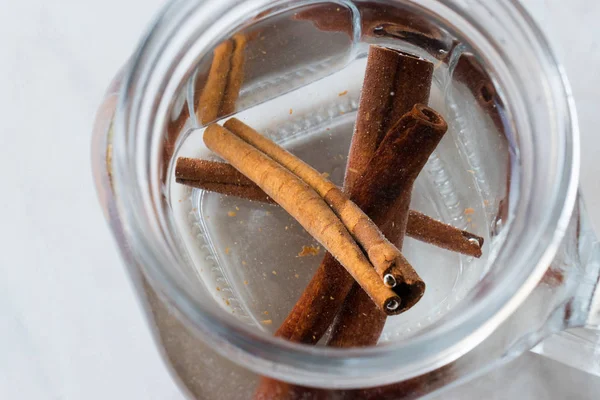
(579, 345)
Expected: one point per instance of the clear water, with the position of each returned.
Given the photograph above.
(246, 253)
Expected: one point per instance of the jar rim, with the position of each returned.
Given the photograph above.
(462, 329)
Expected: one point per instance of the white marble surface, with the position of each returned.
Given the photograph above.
(62, 285)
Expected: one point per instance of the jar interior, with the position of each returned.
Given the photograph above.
(303, 71)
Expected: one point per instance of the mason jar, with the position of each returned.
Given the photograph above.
(218, 274)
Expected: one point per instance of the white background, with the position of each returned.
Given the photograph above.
(70, 325)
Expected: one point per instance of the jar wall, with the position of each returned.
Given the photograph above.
(301, 85)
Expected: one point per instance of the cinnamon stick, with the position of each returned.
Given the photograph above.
(204, 171)
(412, 139)
(236, 75)
(217, 177)
(389, 263)
(211, 98)
(252, 193)
(367, 138)
(394, 82)
(222, 178)
(427, 229)
(307, 207)
(222, 86)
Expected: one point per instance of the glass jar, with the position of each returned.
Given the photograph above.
(218, 274)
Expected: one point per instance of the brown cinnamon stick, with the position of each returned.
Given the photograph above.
(389, 263)
(217, 177)
(222, 178)
(253, 193)
(212, 95)
(412, 140)
(236, 75)
(427, 229)
(394, 82)
(222, 86)
(307, 207)
(374, 116)
(204, 171)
